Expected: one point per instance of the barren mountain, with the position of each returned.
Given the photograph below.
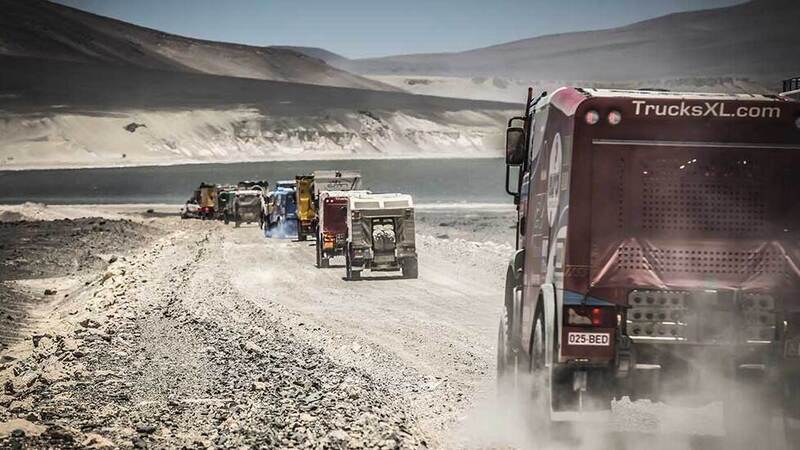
(40, 29)
(755, 40)
(70, 114)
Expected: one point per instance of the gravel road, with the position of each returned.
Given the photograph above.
(211, 336)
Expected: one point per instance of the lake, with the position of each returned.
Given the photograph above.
(428, 180)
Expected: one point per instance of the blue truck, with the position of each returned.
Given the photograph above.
(281, 214)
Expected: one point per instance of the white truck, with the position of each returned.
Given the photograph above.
(380, 235)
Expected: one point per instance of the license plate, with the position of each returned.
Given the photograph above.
(593, 339)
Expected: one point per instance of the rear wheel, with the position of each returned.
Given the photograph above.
(506, 363)
(748, 413)
(791, 407)
(352, 274)
(301, 236)
(410, 268)
(319, 252)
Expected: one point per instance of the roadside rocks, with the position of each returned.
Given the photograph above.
(183, 361)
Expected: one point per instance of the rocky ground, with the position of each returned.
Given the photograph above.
(139, 330)
(151, 336)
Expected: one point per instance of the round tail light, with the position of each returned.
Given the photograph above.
(592, 117)
(614, 117)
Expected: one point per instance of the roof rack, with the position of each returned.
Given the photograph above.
(791, 86)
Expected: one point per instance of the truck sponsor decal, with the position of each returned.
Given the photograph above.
(591, 339)
(554, 179)
(706, 109)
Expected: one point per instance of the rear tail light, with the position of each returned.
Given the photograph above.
(614, 117)
(591, 316)
(592, 117)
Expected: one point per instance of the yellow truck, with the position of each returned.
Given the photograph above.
(306, 209)
(206, 200)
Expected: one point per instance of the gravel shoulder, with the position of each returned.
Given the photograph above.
(208, 336)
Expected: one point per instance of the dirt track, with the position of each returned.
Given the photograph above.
(216, 337)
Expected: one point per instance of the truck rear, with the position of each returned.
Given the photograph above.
(207, 199)
(332, 228)
(306, 209)
(381, 235)
(658, 239)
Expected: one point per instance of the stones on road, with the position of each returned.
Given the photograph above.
(183, 361)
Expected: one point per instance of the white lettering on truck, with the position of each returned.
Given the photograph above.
(707, 109)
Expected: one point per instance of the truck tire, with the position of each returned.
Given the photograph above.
(410, 268)
(351, 273)
(506, 360)
(791, 407)
(319, 252)
(747, 413)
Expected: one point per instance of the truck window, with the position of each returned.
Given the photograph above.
(336, 217)
(537, 133)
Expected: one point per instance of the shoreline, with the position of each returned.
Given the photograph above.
(289, 158)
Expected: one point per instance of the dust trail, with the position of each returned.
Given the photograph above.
(685, 416)
(286, 229)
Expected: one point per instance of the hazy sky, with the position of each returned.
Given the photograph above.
(361, 28)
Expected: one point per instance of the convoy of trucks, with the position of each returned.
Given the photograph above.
(326, 204)
(658, 236)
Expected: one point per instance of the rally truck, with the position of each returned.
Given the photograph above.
(246, 206)
(224, 198)
(658, 238)
(306, 209)
(332, 224)
(380, 235)
(281, 220)
(206, 195)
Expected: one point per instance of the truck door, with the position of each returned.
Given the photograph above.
(536, 228)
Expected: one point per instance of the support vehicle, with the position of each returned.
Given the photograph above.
(658, 240)
(281, 218)
(306, 209)
(380, 235)
(224, 203)
(332, 228)
(206, 200)
(246, 206)
(190, 210)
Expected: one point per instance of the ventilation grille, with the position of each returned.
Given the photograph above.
(693, 196)
(700, 261)
(702, 207)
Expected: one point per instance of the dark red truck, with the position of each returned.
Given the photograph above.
(658, 239)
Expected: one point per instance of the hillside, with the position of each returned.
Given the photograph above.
(69, 114)
(44, 30)
(732, 48)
